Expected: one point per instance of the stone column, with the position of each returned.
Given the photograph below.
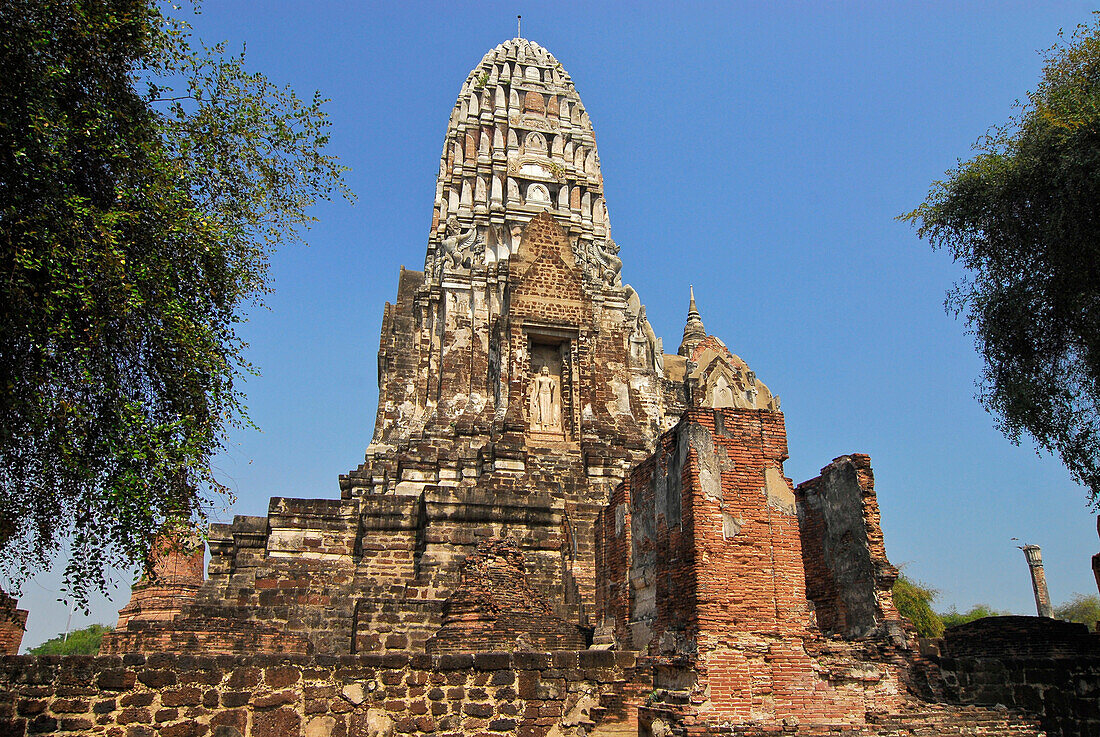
(1038, 580)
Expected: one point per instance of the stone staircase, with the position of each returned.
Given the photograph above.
(616, 713)
(943, 719)
(918, 719)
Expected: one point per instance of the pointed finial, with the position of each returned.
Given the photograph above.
(694, 332)
(519, 28)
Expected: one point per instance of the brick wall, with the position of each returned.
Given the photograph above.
(173, 695)
(495, 609)
(13, 622)
(848, 576)
(701, 553)
(753, 614)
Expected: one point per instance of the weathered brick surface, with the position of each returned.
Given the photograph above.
(494, 608)
(13, 622)
(848, 576)
(701, 551)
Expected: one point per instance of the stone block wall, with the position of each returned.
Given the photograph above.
(203, 635)
(523, 694)
(367, 574)
(1044, 666)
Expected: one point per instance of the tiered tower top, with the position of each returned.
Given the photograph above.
(519, 142)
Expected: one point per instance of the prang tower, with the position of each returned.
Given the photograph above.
(519, 378)
(520, 383)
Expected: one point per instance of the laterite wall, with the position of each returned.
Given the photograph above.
(318, 696)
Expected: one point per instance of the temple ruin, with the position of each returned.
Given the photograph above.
(558, 528)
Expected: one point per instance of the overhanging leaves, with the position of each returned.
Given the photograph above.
(143, 183)
(1023, 217)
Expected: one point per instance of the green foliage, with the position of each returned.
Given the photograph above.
(914, 602)
(952, 617)
(143, 182)
(1081, 608)
(1022, 218)
(81, 642)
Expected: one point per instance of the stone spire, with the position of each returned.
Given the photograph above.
(519, 142)
(694, 332)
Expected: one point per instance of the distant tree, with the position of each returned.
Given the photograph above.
(914, 602)
(953, 618)
(81, 642)
(1023, 218)
(144, 180)
(1081, 608)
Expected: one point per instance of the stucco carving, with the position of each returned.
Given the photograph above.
(607, 264)
(538, 194)
(544, 402)
(651, 347)
(458, 245)
(518, 143)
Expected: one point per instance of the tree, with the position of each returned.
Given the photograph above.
(914, 602)
(81, 642)
(144, 181)
(1023, 218)
(953, 618)
(1081, 608)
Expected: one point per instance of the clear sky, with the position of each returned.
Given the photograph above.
(760, 151)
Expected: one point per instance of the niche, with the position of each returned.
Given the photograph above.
(548, 398)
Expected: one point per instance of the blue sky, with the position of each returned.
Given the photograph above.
(760, 151)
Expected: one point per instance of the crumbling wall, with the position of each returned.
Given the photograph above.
(647, 589)
(848, 576)
(751, 662)
(1044, 666)
(701, 552)
(495, 609)
(13, 623)
(398, 363)
(528, 694)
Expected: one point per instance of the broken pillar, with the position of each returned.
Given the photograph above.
(1038, 580)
